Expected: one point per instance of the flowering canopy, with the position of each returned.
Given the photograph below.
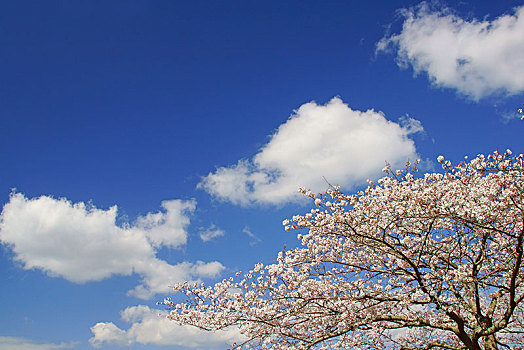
(432, 262)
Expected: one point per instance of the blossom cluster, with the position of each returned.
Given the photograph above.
(411, 262)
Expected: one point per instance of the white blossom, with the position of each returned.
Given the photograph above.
(412, 262)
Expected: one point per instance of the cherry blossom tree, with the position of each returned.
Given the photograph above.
(412, 262)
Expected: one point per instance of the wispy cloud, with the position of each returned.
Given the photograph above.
(508, 115)
(82, 243)
(477, 58)
(317, 142)
(254, 238)
(210, 233)
(151, 327)
(15, 343)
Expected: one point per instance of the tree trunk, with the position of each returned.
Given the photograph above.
(490, 342)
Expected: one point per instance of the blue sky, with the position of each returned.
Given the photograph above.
(144, 143)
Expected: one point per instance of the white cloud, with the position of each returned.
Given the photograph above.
(15, 343)
(410, 125)
(81, 243)
(168, 228)
(233, 183)
(210, 233)
(158, 276)
(477, 58)
(149, 326)
(330, 141)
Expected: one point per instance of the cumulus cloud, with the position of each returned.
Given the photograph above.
(15, 343)
(151, 327)
(210, 233)
(158, 276)
(168, 228)
(477, 58)
(317, 143)
(82, 243)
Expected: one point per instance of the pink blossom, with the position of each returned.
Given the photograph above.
(412, 262)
